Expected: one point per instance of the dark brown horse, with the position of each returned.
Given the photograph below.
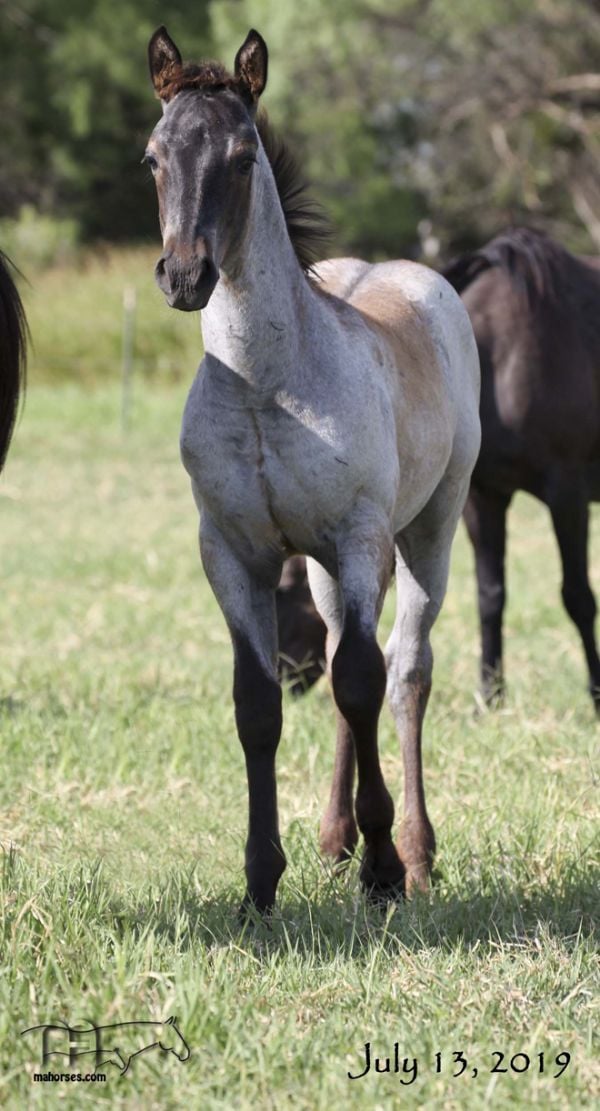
(535, 310)
(301, 632)
(13, 334)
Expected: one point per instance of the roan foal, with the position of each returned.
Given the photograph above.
(335, 414)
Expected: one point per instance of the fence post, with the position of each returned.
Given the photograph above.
(129, 308)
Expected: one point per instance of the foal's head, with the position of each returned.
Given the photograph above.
(202, 155)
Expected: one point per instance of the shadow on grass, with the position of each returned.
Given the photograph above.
(323, 917)
(337, 921)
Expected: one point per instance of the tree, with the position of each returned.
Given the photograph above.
(77, 107)
(422, 124)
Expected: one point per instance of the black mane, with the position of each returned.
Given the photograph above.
(534, 262)
(307, 223)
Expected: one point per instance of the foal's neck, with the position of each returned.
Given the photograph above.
(251, 323)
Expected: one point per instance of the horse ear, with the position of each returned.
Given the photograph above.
(163, 57)
(251, 63)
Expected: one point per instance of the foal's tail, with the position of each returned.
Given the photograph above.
(13, 354)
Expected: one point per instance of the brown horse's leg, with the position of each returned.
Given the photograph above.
(339, 833)
(567, 500)
(485, 518)
(301, 630)
(249, 608)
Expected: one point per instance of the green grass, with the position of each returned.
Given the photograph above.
(75, 313)
(123, 815)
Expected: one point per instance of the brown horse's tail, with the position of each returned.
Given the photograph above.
(13, 352)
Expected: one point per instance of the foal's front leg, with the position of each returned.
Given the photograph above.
(359, 681)
(248, 604)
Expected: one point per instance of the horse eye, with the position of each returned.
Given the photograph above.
(245, 166)
(150, 161)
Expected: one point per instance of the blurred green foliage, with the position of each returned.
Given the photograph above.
(425, 125)
(39, 240)
(77, 106)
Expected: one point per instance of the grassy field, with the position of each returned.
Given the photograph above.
(123, 812)
(123, 817)
(75, 312)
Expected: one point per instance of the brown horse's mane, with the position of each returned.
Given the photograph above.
(534, 262)
(307, 224)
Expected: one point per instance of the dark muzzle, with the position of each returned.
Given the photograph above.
(186, 285)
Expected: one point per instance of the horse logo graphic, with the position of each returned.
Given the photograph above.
(110, 1045)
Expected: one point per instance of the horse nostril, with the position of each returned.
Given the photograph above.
(160, 268)
(160, 272)
(205, 268)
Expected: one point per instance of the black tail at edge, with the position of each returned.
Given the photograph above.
(13, 355)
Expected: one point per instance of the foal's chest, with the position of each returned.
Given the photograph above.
(267, 470)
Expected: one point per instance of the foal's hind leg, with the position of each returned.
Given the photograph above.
(359, 678)
(339, 833)
(248, 604)
(485, 518)
(567, 500)
(422, 562)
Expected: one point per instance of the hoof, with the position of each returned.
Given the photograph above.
(418, 879)
(338, 839)
(382, 875)
(251, 912)
(493, 691)
(416, 848)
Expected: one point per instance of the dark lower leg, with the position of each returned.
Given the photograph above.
(339, 833)
(568, 506)
(258, 715)
(485, 518)
(359, 680)
(580, 604)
